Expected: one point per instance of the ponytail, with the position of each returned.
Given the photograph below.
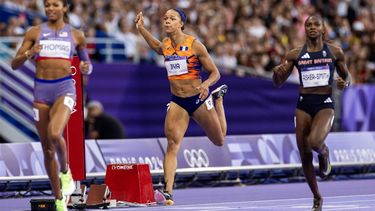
(325, 35)
(66, 17)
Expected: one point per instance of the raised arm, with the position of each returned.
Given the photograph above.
(206, 61)
(344, 78)
(27, 49)
(282, 71)
(154, 43)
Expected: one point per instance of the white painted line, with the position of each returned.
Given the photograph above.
(283, 200)
(260, 204)
(356, 208)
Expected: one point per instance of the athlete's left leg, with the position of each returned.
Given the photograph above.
(320, 127)
(59, 116)
(175, 126)
(218, 97)
(208, 118)
(219, 107)
(303, 129)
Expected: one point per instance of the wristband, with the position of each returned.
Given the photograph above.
(90, 70)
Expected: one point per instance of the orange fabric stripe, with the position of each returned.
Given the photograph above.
(193, 63)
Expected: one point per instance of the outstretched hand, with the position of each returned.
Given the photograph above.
(281, 68)
(85, 67)
(139, 22)
(280, 73)
(36, 48)
(341, 83)
(203, 90)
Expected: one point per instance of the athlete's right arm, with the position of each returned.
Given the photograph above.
(282, 71)
(154, 43)
(27, 49)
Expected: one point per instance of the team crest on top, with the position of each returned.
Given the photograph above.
(184, 48)
(324, 53)
(63, 34)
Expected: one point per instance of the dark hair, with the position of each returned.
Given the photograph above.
(65, 4)
(182, 16)
(325, 35)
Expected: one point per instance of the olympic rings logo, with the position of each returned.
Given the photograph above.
(74, 72)
(196, 158)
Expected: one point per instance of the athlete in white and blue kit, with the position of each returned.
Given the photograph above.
(316, 62)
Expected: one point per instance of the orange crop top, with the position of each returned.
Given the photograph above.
(180, 61)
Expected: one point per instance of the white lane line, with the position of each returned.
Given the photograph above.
(351, 204)
(283, 200)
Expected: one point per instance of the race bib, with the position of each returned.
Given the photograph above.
(315, 76)
(55, 49)
(176, 65)
(36, 114)
(69, 102)
(209, 103)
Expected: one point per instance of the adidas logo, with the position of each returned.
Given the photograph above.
(306, 56)
(328, 100)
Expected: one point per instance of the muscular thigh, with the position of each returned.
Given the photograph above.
(41, 118)
(207, 118)
(176, 122)
(322, 123)
(60, 113)
(303, 123)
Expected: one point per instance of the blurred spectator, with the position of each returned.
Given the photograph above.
(14, 27)
(37, 21)
(100, 125)
(75, 15)
(15, 4)
(130, 39)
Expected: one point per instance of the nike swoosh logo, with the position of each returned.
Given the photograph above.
(46, 34)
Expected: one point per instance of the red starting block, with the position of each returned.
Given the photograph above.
(130, 183)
